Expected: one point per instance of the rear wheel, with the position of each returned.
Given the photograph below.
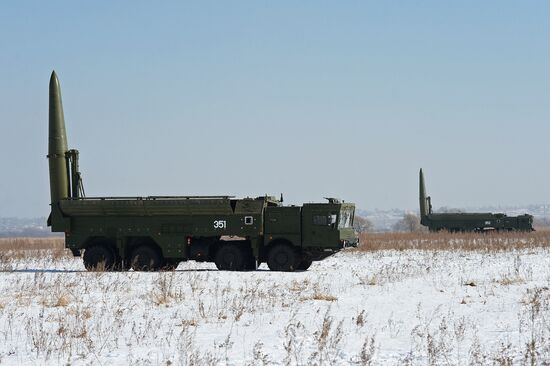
(99, 257)
(146, 258)
(170, 265)
(283, 257)
(230, 258)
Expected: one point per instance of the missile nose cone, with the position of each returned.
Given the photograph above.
(57, 136)
(54, 81)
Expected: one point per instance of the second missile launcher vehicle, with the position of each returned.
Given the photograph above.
(151, 233)
(457, 222)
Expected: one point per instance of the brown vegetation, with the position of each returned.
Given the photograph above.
(454, 241)
(368, 242)
(31, 243)
(32, 247)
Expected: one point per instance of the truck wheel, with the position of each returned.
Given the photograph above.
(121, 265)
(249, 259)
(250, 263)
(170, 265)
(146, 258)
(305, 264)
(282, 257)
(230, 258)
(99, 257)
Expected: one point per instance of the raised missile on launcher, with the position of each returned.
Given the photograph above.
(65, 177)
(150, 233)
(458, 222)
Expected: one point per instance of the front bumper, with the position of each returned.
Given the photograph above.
(348, 238)
(344, 243)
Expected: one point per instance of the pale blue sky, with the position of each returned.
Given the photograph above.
(308, 98)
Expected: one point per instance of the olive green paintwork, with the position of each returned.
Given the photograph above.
(185, 227)
(468, 221)
(57, 144)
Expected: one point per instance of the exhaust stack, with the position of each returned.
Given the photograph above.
(57, 145)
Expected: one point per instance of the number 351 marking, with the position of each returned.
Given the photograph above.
(220, 224)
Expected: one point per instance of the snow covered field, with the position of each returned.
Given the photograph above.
(383, 308)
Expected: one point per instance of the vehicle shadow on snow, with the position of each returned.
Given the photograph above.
(47, 270)
(43, 270)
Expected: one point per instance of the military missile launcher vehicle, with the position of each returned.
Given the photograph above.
(457, 222)
(152, 233)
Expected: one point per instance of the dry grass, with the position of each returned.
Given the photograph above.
(454, 241)
(320, 297)
(54, 243)
(442, 241)
(19, 248)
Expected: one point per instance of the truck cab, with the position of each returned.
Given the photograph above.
(315, 230)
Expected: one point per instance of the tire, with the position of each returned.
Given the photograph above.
(121, 265)
(283, 258)
(170, 265)
(230, 258)
(99, 257)
(304, 264)
(249, 259)
(146, 258)
(250, 263)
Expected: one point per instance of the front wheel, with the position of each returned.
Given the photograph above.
(283, 258)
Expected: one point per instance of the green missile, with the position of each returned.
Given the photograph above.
(57, 144)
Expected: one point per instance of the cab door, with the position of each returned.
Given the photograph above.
(319, 225)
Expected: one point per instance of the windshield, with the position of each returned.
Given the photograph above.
(346, 218)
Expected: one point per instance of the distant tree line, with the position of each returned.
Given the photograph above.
(445, 209)
(541, 221)
(362, 224)
(27, 233)
(410, 222)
